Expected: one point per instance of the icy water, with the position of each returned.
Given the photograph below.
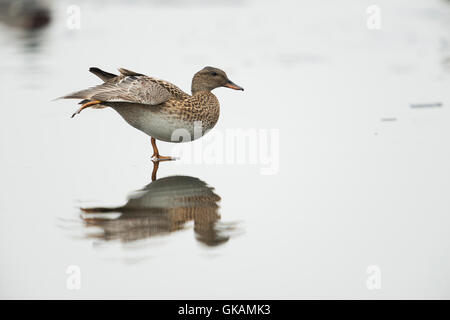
(352, 201)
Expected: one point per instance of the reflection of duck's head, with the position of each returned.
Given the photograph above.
(163, 206)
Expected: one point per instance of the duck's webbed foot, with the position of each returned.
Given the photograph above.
(86, 105)
(156, 156)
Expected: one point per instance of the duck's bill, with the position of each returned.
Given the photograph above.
(232, 85)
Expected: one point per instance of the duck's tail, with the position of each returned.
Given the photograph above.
(85, 94)
(105, 76)
(100, 210)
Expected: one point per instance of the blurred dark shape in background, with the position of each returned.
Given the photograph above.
(426, 105)
(25, 14)
(162, 207)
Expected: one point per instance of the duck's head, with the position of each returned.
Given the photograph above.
(210, 78)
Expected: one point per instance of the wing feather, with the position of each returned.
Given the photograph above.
(139, 89)
(131, 87)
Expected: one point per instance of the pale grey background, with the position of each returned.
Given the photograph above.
(352, 190)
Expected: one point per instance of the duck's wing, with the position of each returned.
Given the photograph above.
(131, 87)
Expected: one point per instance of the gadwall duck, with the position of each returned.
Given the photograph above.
(156, 107)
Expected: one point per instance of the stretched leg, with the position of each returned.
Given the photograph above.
(86, 105)
(156, 156)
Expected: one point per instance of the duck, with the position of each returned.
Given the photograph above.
(157, 107)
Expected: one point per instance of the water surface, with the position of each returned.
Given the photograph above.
(351, 190)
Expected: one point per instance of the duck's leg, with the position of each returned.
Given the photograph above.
(86, 105)
(156, 156)
(155, 169)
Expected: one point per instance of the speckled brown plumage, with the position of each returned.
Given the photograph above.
(203, 106)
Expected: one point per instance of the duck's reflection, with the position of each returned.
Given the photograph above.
(162, 207)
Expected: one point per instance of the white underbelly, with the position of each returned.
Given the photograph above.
(174, 130)
(159, 125)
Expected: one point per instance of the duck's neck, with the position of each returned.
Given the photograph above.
(199, 85)
(197, 88)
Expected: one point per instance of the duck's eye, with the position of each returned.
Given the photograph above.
(214, 74)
